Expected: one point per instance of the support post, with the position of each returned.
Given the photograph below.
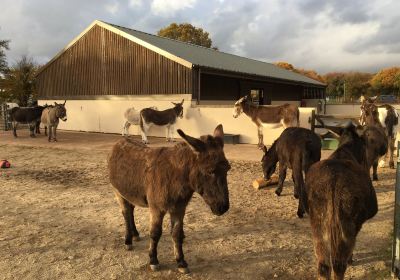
(396, 225)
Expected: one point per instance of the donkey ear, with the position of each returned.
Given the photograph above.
(65, 102)
(182, 101)
(219, 134)
(55, 103)
(196, 144)
(174, 103)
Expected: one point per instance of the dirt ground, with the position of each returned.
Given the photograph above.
(59, 220)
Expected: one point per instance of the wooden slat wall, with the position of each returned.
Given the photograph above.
(104, 63)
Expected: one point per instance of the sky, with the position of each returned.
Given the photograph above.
(326, 36)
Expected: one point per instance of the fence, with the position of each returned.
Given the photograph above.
(5, 123)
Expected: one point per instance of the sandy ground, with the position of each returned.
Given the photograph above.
(59, 220)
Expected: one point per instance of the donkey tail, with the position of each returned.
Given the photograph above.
(298, 116)
(337, 235)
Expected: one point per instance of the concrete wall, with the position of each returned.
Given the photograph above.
(343, 109)
(108, 116)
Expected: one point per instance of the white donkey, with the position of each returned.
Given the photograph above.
(385, 116)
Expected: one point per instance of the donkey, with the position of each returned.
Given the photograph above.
(27, 115)
(286, 115)
(164, 180)
(51, 117)
(339, 198)
(132, 117)
(150, 116)
(297, 148)
(384, 116)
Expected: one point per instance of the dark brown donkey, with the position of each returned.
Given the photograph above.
(297, 148)
(164, 180)
(150, 116)
(286, 115)
(339, 199)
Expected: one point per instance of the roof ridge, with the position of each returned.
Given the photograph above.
(187, 43)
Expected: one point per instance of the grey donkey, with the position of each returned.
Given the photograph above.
(51, 117)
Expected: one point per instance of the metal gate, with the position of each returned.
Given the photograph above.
(5, 123)
(396, 227)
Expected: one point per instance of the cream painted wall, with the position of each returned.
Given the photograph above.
(108, 116)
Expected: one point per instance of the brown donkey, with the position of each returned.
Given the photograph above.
(286, 115)
(297, 148)
(339, 199)
(164, 180)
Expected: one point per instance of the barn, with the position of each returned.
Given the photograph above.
(109, 68)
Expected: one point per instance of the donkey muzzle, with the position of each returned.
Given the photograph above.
(219, 210)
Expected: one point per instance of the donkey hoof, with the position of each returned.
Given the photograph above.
(296, 195)
(184, 270)
(129, 247)
(300, 214)
(391, 165)
(278, 193)
(375, 178)
(155, 267)
(136, 238)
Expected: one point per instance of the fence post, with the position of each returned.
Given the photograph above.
(396, 225)
(312, 120)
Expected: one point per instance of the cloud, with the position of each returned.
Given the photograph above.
(331, 35)
(170, 7)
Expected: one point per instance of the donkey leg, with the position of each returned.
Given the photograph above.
(341, 257)
(130, 228)
(299, 185)
(32, 129)
(171, 129)
(143, 132)
(156, 219)
(178, 237)
(167, 132)
(282, 177)
(45, 130)
(14, 126)
(321, 253)
(391, 151)
(260, 137)
(49, 136)
(375, 170)
(55, 133)
(127, 126)
(38, 127)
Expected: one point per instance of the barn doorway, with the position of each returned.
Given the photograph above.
(257, 96)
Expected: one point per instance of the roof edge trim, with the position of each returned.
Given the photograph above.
(123, 34)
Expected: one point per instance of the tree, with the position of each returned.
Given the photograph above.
(285, 65)
(387, 81)
(308, 73)
(3, 61)
(19, 82)
(349, 85)
(186, 32)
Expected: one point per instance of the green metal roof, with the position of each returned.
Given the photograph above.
(205, 57)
